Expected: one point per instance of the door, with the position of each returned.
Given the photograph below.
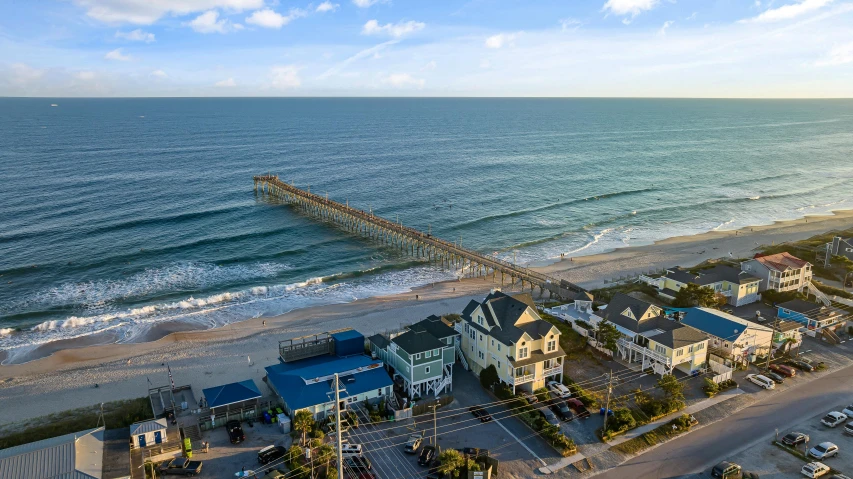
(142, 440)
(158, 437)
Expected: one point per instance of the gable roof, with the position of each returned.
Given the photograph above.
(231, 393)
(507, 311)
(781, 261)
(584, 296)
(434, 326)
(148, 426)
(625, 311)
(414, 342)
(713, 275)
(719, 324)
(72, 456)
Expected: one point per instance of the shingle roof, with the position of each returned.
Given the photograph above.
(379, 340)
(584, 296)
(148, 426)
(72, 456)
(231, 393)
(785, 326)
(507, 311)
(713, 275)
(434, 326)
(537, 356)
(718, 324)
(801, 306)
(414, 342)
(781, 261)
(639, 308)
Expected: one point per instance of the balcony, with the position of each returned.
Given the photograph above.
(522, 379)
(552, 371)
(625, 344)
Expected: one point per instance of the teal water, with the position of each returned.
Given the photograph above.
(117, 214)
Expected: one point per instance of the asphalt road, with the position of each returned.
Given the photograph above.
(701, 449)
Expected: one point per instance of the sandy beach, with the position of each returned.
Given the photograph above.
(64, 375)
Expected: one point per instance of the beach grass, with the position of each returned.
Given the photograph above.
(117, 414)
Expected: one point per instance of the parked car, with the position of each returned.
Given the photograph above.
(824, 450)
(559, 389)
(848, 411)
(777, 378)
(839, 476)
(760, 380)
(562, 410)
(801, 365)
(815, 469)
(480, 413)
(549, 416)
(849, 428)
(180, 467)
(348, 450)
(833, 419)
(271, 453)
(427, 455)
(794, 438)
(730, 470)
(413, 443)
(578, 408)
(235, 431)
(531, 398)
(474, 452)
(358, 462)
(783, 369)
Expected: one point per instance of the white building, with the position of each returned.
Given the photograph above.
(730, 337)
(148, 433)
(780, 272)
(73, 456)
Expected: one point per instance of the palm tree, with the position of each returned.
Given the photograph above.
(451, 462)
(303, 421)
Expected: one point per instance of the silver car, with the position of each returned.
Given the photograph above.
(824, 450)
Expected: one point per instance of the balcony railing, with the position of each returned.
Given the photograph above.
(552, 371)
(646, 351)
(522, 379)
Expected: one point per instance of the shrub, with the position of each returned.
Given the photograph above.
(489, 376)
(580, 393)
(710, 387)
(502, 391)
(620, 421)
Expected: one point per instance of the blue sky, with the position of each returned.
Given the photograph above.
(656, 48)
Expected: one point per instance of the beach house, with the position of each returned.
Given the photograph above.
(780, 272)
(304, 377)
(812, 315)
(506, 332)
(421, 356)
(650, 340)
(838, 247)
(579, 309)
(738, 286)
(786, 336)
(730, 338)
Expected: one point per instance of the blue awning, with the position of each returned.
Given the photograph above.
(231, 393)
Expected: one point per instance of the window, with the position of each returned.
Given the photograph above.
(679, 352)
(418, 356)
(426, 370)
(725, 345)
(690, 349)
(660, 349)
(435, 352)
(481, 338)
(552, 346)
(700, 346)
(522, 353)
(428, 354)
(499, 364)
(379, 392)
(493, 342)
(499, 346)
(407, 368)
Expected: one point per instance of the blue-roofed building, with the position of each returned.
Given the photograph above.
(730, 337)
(232, 396)
(306, 383)
(812, 315)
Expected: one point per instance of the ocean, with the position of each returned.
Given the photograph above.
(119, 214)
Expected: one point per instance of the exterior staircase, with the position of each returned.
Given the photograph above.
(818, 294)
(193, 432)
(830, 337)
(462, 357)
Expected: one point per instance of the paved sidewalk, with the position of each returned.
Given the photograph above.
(566, 461)
(637, 432)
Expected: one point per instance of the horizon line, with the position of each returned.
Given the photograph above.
(427, 97)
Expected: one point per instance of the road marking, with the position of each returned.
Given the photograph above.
(522, 444)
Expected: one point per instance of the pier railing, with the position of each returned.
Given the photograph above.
(412, 240)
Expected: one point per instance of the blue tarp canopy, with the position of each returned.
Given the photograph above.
(231, 393)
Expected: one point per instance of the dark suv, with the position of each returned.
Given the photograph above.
(235, 431)
(271, 453)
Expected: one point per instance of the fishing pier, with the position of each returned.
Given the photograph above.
(410, 240)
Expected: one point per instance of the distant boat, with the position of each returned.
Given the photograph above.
(53, 104)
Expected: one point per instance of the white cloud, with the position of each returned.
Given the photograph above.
(146, 12)
(284, 77)
(429, 66)
(485, 64)
(403, 80)
(837, 56)
(692, 16)
(396, 30)
(209, 22)
(327, 7)
(268, 18)
(666, 24)
(23, 74)
(85, 75)
(336, 69)
(136, 36)
(567, 24)
(159, 74)
(117, 55)
(501, 39)
(787, 12)
(366, 3)
(227, 83)
(630, 8)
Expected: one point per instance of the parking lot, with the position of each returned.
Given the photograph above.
(226, 459)
(772, 462)
(507, 438)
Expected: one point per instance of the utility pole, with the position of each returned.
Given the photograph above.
(770, 351)
(607, 404)
(434, 425)
(338, 426)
